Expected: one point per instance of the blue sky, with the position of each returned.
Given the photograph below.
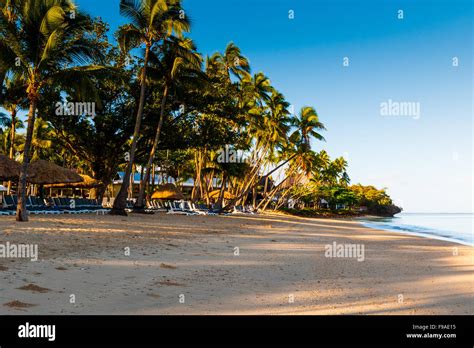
(426, 163)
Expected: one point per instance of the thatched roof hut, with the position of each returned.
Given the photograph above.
(87, 183)
(227, 194)
(167, 191)
(42, 172)
(9, 169)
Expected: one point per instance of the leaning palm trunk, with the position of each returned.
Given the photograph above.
(140, 204)
(21, 212)
(281, 200)
(253, 178)
(279, 166)
(244, 193)
(207, 187)
(268, 199)
(120, 202)
(266, 176)
(254, 197)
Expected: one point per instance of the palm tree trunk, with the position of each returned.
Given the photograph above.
(12, 134)
(221, 192)
(12, 145)
(21, 212)
(281, 200)
(197, 187)
(139, 205)
(120, 201)
(254, 197)
(268, 198)
(132, 181)
(153, 176)
(247, 186)
(279, 166)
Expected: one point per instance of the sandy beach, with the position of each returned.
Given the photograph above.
(265, 264)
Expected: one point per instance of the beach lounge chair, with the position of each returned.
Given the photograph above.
(129, 206)
(194, 209)
(29, 207)
(85, 205)
(178, 208)
(156, 206)
(4, 211)
(41, 205)
(250, 210)
(238, 209)
(38, 205)
(9, 206)
(99, 209)
(91, 206)
(201, 209)
(34, 205)
(56, 203)
(66, 205)
(48, 205)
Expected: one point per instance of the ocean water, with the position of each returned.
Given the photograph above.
(456, 228)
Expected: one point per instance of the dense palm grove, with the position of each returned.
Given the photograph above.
(158, 104)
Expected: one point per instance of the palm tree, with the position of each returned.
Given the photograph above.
(323, 162)
(300, 167)
(269, 126)
(4, 121)
(11, 140)
(307, 126)
(43, 136)
(14, 99)
(179, 63)
(232, 62)
(297, 150)
(42, 47)
(151, 22)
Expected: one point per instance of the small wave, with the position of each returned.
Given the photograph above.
(419, 231)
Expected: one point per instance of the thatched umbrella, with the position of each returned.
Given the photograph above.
(167, 191)
(42, 172)
(9, 169)
(87, 183)
(216, 193)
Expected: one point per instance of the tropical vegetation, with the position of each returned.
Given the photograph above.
(160, 107)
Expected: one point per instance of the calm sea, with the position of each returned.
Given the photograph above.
(456, 228)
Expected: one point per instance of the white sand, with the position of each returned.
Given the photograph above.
(280, 258)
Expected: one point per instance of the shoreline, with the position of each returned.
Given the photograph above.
(365, 221)
(422, 229)
(426, 235)
(279, 256)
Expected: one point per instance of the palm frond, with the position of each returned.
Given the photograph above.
(133, 10)
(129, 37)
